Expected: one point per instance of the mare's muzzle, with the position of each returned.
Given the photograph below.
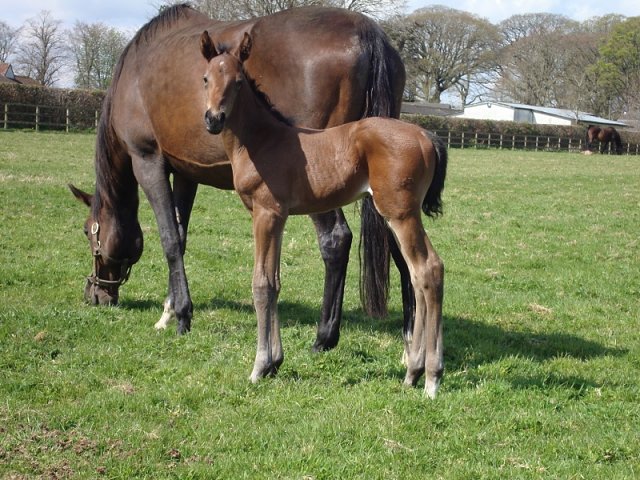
(214, 122)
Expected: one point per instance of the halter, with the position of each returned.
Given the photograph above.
(94, 279)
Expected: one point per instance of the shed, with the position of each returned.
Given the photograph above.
(516, 112)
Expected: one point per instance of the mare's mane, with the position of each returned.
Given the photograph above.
(108, 182)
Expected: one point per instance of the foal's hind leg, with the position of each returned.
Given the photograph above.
(425, 352)
(268, 227)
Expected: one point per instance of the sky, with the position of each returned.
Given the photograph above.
(129, 15)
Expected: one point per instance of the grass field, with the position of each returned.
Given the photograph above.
(542, 337)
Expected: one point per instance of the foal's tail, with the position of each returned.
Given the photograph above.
(383, 99)
(432, 203)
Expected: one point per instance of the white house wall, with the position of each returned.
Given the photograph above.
(487, 112)
(543, 119)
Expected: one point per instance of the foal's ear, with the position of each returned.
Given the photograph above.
(84, 197)
(207, 47)
(245, 47)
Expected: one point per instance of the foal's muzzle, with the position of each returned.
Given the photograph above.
(214, 122)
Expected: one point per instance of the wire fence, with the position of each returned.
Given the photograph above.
(21, 116)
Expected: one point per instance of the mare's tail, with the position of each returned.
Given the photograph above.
(615, 136)
(383, 99)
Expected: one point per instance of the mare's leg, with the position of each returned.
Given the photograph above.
(184, 194)
(268, 227)
(425, 353)
(153, 177)
(334, 239)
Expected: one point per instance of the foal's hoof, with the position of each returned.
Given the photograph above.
(262, 372)
(431, 386)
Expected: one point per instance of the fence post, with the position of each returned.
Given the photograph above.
(66, 120)
(513, 142)
(476, 140)
(462, 141)
(501, 138)
(489, 141)
(6, 116)
(449, 139)
(525, 142)
(96, 120)
(37, 118)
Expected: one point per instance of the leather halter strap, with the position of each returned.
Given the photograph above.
(125, 265)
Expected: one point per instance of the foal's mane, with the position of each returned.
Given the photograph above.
(264, 99)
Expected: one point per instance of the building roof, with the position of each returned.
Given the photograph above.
(8, 76)
(439, 109)
(559, 112)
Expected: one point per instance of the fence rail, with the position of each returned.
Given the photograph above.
(18, 115)
(538, 143)
(72, 119)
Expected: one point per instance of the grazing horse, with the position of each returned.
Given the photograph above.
(606, 136)
(281, 170)
(320, 66)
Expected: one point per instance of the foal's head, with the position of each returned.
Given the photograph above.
(222, 80)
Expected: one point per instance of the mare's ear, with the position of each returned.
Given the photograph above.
(245, 47)
(207, 47)
(84, 197)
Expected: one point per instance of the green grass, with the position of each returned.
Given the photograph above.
(542, 345)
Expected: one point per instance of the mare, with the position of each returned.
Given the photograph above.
(607, 136)
(281, 170)
(320, 66)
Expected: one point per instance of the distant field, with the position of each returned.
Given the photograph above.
(542, 337)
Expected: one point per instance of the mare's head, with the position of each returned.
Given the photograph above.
(115, 246)
(223, 79)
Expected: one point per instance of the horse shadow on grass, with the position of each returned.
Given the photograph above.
(469, 343)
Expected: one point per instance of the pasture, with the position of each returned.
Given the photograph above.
(541, 332)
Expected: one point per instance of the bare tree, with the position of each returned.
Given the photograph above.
(444, 49)
(244, 9)
(95, 49)
(8, 38)
(41, 50)
(531, 68)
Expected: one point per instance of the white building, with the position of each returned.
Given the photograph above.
(515, 112)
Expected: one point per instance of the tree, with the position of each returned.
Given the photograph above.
(244, 9)
(619, 67)
(41, 52)
(8, 37)
(95, 49)
(444, 49)
(531, 68)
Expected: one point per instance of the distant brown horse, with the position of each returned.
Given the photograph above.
(607, 136)
(320, 66)
(281, 170)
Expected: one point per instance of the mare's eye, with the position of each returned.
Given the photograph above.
(205, 80)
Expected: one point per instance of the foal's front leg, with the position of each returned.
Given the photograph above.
(268, 227)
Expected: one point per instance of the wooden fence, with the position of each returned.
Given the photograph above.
(15, 115)
(536, 143)
(73, 119)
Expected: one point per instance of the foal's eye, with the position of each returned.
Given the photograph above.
(205, 80)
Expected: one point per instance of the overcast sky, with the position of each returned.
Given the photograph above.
(130, 15)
